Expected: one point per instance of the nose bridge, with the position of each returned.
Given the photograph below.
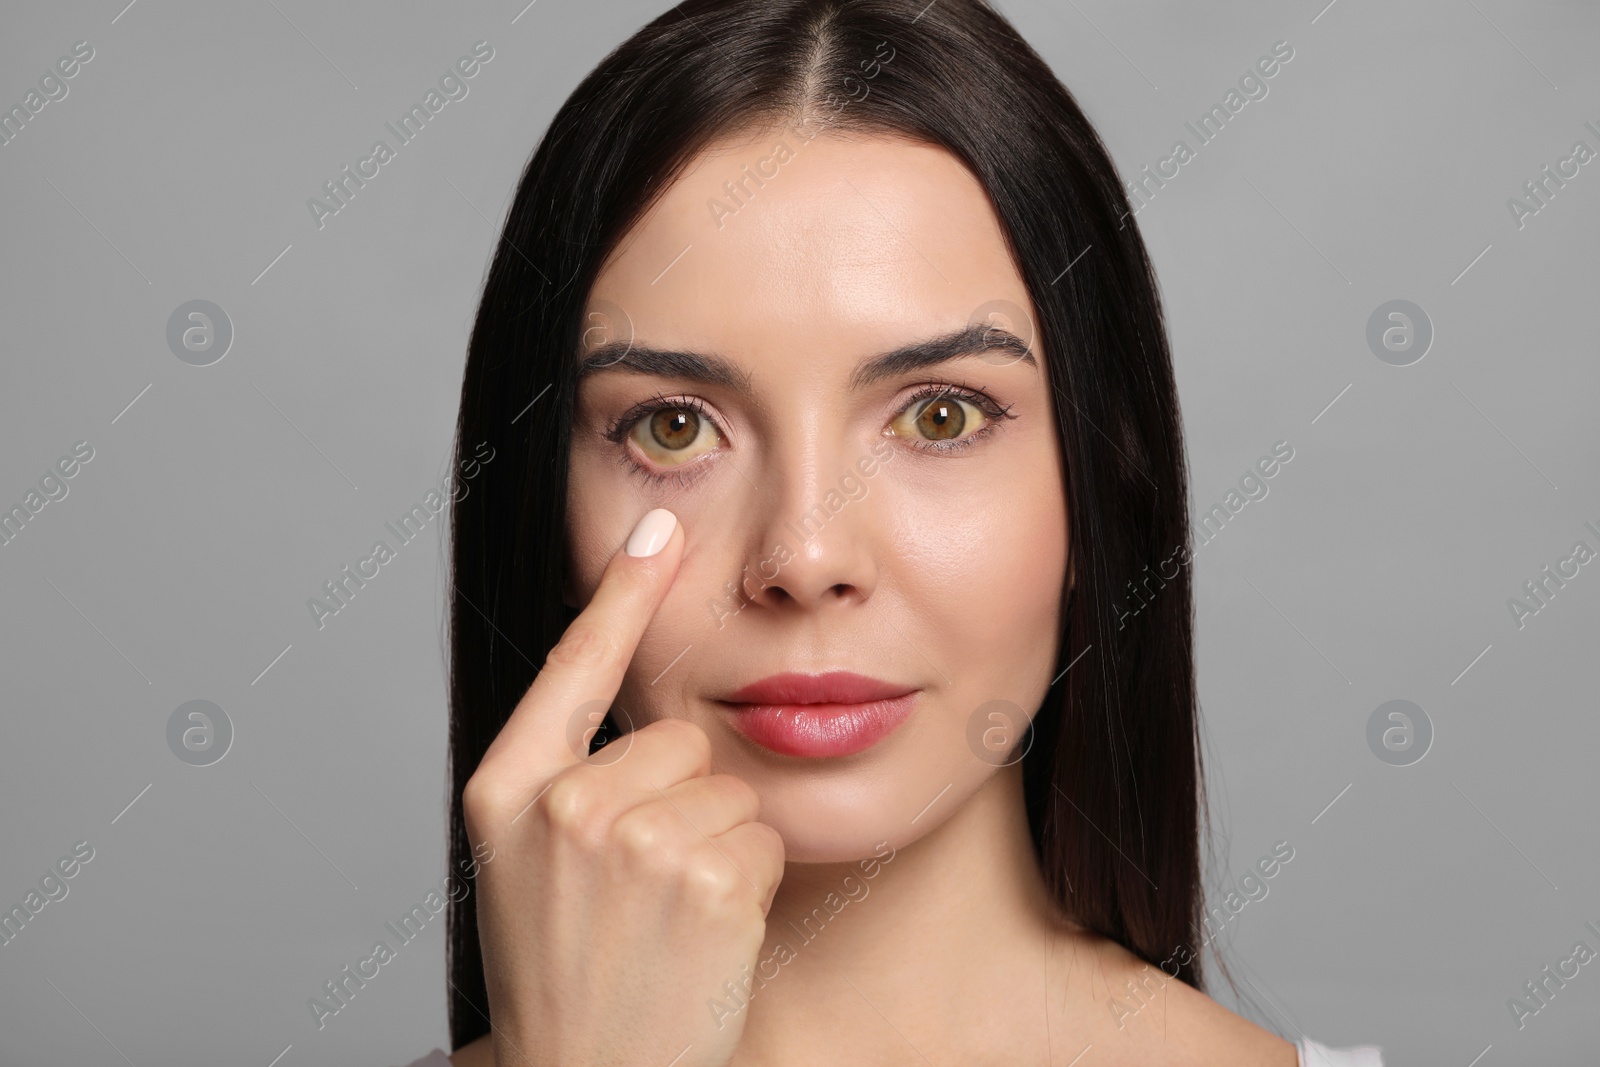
(815, 543)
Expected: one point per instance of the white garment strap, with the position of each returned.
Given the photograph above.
(1315, 1054)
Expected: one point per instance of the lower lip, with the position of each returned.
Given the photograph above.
(815, 730)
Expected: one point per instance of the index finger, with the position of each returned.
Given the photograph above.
(588, 663)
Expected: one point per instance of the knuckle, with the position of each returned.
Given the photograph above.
(572, 809)
(772, 839)
(691, 735)
(582, 646)
(766, 847)
(743, 793)
(642, 835)
(485, 796)
(711, 882)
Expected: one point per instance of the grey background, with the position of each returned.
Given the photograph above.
(179, 564)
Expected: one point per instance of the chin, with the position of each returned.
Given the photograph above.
(842, 809)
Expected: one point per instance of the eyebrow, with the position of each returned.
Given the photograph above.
(972, 340)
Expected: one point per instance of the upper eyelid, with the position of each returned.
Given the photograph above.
(636, 413)
(977, 397)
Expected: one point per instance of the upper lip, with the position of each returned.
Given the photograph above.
(834, 687)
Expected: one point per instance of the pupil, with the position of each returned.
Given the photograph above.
(943, 417)
(674, 428)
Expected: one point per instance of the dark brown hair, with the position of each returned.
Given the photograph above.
(1112, 777)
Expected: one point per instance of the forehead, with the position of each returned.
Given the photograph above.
(772, 246)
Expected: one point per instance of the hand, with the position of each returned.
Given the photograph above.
(624, 891)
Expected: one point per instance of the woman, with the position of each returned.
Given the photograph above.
(830, 314)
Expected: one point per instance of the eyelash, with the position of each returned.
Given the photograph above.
(622, 426)
(982, 401)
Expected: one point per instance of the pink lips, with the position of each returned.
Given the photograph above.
(815, 715)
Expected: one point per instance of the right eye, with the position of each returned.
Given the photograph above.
(671, 433)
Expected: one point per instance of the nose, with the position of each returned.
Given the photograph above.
(819, 535)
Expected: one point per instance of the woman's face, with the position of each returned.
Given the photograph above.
(841, 514)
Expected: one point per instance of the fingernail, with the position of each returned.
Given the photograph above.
(652, 533)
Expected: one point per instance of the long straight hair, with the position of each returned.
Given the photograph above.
(1112, 776)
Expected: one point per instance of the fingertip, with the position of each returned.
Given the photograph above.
(651, 533)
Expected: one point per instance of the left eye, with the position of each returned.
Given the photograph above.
(675, 435)
(943, 417)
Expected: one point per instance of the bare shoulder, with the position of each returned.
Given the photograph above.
(1138, 1014)
(478, 1053)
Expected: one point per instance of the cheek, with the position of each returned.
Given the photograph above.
(698, 620)
(989, 575)
(985, 538)
(603, 505)
(983, 566)
(593, 521)
(604, 502)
